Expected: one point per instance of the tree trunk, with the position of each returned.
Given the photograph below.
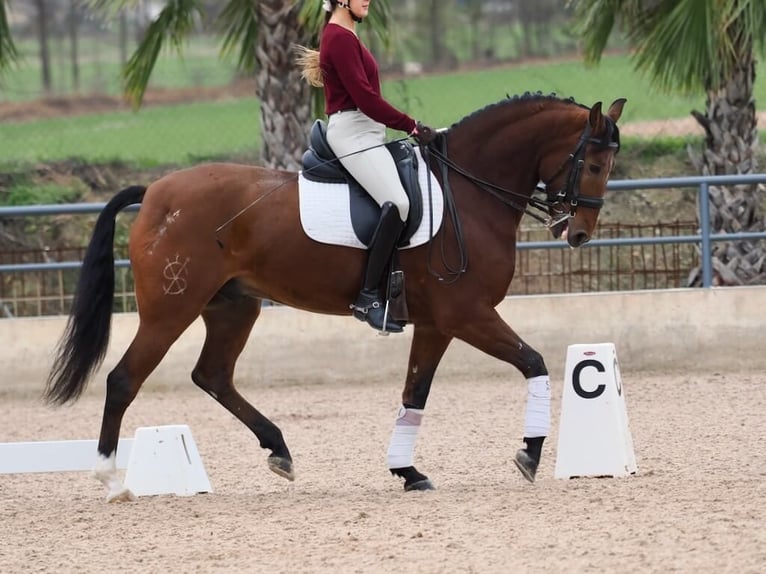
(74, 22)
(435, 32)
(45, 53)
(123, 37)
(730, 125)
(284, 95)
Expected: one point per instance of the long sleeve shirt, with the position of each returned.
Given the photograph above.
(352, 81)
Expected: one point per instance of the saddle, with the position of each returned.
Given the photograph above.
(320, 164)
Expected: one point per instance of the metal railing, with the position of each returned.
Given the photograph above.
(704, 238)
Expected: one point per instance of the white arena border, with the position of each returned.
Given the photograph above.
(693, 330)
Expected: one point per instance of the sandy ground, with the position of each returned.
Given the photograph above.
(696, 505)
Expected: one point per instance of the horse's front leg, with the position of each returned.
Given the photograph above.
(489, 333)
(428, 346)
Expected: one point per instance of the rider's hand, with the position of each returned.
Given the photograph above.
(423, 134)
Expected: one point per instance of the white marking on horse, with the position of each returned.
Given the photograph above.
(170, 219)
(175, 272)
(106, 471)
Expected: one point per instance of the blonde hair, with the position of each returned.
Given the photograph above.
(308, 60)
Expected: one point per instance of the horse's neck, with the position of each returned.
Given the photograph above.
(502, 152)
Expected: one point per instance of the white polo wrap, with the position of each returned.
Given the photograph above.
(402, 445)
(537, 421)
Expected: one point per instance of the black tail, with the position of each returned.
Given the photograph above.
(85, 340)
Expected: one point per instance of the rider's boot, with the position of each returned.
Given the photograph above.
(369, 305)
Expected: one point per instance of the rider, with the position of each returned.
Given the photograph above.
(356, 131)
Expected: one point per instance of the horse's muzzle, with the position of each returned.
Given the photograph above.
(577, 238)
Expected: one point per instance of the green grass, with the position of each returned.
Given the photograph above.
(26, 193)
(443, 99)
(184, 134)
(153, 136)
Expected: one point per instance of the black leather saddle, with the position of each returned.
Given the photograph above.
(320, 164)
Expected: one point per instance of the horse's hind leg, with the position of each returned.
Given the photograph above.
(428, 347)
(229, 319)
(122, 385)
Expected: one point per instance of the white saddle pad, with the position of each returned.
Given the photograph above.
(326, 212)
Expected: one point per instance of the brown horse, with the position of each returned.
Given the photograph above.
(489, 164)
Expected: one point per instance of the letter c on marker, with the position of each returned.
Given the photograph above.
(599, 390)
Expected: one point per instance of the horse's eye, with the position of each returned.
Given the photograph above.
(594, 169)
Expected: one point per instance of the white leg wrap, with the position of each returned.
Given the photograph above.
(106, 472)
(537, 421)
(402, 445)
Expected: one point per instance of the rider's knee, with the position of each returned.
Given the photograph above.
(403, 207)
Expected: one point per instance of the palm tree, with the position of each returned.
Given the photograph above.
(262, 34)
(692, 46)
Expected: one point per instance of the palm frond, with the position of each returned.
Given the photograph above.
(683, 45)
(379, 20)
(174, 22)
(312, 16)
(9, 55)
(682, 50)
(239, 22)
(595, 20)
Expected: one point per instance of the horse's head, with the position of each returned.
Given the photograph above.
(575, 190)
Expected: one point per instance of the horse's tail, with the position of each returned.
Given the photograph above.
(86, 337)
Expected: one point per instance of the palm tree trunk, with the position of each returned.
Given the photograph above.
(284, 96)
(730, 125)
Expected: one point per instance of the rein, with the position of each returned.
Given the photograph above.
(570, 194)
(451, 208)
(498, 192)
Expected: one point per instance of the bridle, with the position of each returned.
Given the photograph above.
(554, 203)
(570, 195)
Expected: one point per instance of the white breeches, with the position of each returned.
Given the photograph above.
(374, 168)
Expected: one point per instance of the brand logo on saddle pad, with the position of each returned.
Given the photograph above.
(325, 210)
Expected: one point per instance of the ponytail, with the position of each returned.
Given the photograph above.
(308, 60)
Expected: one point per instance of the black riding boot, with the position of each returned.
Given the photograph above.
(369, 305)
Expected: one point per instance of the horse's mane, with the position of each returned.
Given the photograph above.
(612, 131)
(525, 98)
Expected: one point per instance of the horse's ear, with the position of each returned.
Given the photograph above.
(615, 110)
(596, 118)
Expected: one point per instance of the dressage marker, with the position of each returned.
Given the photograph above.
(159, 460)
(594, 435)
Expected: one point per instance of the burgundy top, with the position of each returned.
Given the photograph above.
(351, 79)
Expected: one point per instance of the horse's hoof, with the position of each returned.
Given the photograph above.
(282, 466)
(420, 485)
(525, 464)
(122, 495)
